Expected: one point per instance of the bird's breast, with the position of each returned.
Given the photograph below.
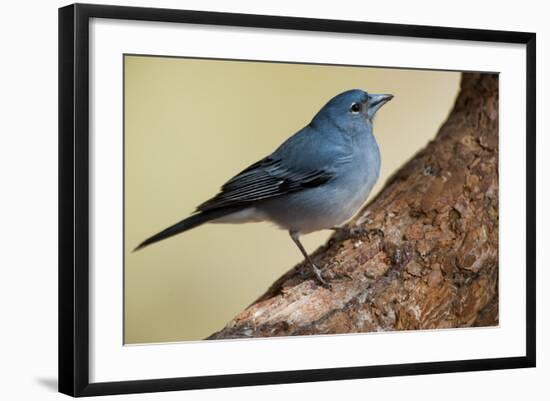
(332, 203)
(360, 176)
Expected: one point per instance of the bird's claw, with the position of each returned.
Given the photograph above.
(319, 275)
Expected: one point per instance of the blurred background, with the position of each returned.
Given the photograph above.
(190, 125)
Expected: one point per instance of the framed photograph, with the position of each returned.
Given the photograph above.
(251, 199)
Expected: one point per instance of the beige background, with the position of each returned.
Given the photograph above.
(192, 124)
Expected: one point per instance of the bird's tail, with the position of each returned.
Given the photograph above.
(192, 221)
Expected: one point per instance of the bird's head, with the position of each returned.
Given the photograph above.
(352, 108)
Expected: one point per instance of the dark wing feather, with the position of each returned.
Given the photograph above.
(265, 179)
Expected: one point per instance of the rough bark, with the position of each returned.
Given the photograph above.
(422, 255)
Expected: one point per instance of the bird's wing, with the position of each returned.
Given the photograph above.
(264, 179)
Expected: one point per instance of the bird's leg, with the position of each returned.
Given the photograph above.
(348, 231)
(296, 238)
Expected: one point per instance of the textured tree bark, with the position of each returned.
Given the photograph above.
(422, 255)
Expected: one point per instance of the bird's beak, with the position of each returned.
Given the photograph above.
(377, 101)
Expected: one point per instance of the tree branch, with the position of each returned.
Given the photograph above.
(422, 255)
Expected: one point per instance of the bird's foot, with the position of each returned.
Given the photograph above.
(306, 272)
(349, 231)
(323, 278)
(319, 275)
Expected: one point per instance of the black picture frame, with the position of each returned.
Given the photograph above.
(74, 197)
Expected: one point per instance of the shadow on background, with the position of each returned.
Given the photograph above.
(49, 383)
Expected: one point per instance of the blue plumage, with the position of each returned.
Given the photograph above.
(318, 178)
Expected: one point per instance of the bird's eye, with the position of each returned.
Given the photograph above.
(355, 107)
